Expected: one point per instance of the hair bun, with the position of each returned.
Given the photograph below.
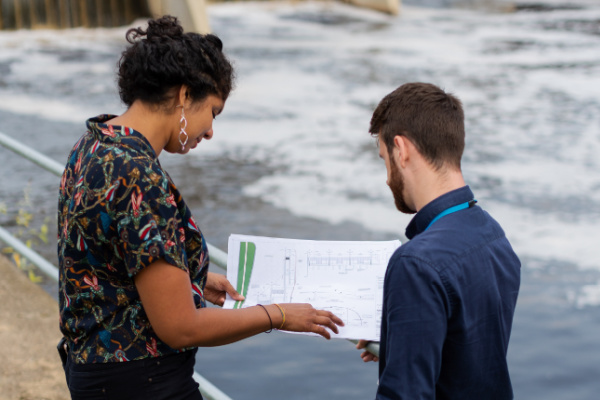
(215, 41)
(166, 26)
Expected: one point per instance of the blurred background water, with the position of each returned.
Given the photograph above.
(292, 157)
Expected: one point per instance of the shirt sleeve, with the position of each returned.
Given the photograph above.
(416, 322)
(146, 217)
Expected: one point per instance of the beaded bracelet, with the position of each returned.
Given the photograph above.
(268, 315)
(282, 315)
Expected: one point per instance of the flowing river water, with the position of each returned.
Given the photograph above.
(292, 157)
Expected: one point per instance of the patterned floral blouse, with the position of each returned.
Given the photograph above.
(118, 211)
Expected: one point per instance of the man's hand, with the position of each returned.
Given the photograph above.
(365, 355)
(217, 286)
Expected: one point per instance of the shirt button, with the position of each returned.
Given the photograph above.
(150, 380)
(158, 363)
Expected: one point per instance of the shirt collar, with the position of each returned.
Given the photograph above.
(422, 219)
(121, 135)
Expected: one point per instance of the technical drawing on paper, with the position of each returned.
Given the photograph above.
(345, 278)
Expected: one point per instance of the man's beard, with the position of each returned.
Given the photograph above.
(397, 187)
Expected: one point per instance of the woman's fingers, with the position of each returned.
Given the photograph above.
(326, 319)
(329, 321)
(336, 320)
(217, 286)
(305, 318)
(320, 330)
(319, 320)
(232, 292)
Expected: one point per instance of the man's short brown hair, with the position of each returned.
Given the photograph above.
(430, 118)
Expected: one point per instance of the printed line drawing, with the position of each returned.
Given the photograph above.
(343, 277)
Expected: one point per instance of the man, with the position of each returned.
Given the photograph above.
(449, 292)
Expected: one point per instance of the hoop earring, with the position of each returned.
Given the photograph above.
(182, 126)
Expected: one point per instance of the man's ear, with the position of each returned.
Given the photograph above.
(401, 150)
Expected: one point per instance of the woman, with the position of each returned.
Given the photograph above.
(134, 274)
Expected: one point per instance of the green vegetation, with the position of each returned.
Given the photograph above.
(27, 233)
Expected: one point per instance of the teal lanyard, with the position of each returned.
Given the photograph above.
(452, 210)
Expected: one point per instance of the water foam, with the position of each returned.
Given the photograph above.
(310, 74)
(529, 94)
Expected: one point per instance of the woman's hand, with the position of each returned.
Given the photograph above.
(172, 313)
(366, 355)
(217, 286)
(304, 318)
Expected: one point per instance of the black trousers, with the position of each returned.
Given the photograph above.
(168, 377)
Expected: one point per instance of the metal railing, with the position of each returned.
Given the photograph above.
(217, 256)
(208, 390)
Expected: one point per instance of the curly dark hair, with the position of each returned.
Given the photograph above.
(163, 57)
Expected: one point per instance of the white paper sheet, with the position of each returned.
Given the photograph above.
(345, 278)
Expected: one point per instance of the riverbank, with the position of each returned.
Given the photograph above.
(30, 367)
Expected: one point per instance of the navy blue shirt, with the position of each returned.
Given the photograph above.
(449, 300)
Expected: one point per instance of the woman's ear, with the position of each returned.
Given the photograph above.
(183, 96)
